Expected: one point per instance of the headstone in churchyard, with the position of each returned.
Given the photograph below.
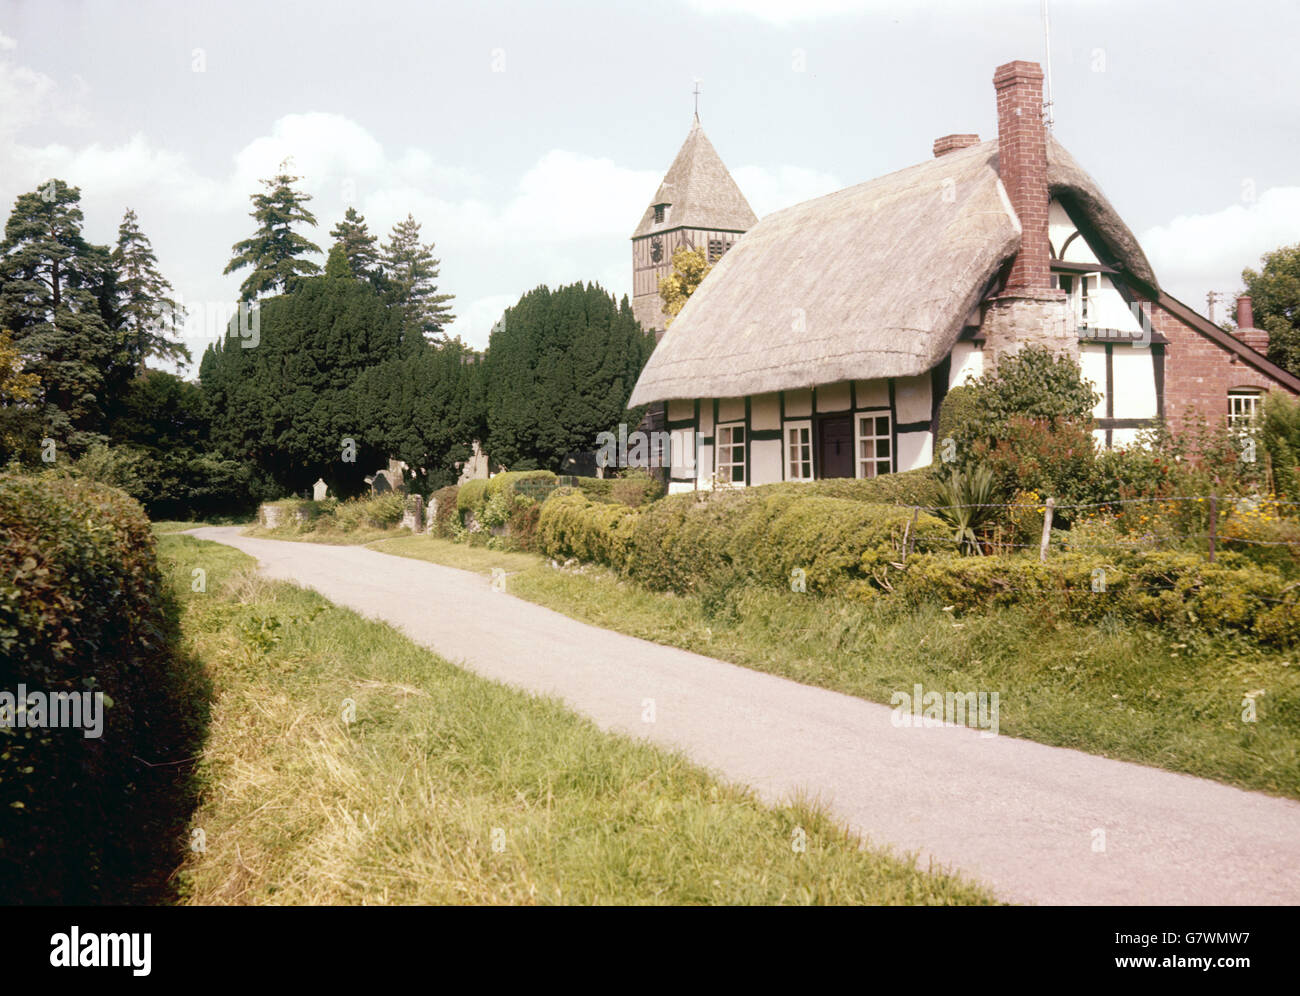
(380, 485)
(319, 490)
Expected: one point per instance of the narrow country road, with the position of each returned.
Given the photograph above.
(1018, 816)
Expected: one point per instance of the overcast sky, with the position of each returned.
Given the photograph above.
(529, 137)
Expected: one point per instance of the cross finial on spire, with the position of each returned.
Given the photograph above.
(696, 91)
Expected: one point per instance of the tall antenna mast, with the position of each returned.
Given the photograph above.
(1047, 44)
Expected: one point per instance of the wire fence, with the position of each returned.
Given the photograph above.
(1209, 524)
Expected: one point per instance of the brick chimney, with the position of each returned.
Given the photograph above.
(1022, 163)
(951, 143)
(1029, 310)
(1256, 339)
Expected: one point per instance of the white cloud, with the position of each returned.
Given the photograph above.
(1194, 254)
(771, 189)
(7, 43)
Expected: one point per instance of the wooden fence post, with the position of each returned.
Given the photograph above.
(1047, 530)
(1214, 523)
(910, 539)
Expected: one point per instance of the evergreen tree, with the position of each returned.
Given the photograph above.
(275, 249)
(146, 312)
(359, 247)
(287, 405)
(55, 290)
(559, 369)
(411, 272)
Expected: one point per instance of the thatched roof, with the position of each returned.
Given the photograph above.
(876, 280)
(700, 192)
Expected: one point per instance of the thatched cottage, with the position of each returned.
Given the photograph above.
(825, 338)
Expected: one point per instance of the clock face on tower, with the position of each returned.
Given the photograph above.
(656, 250)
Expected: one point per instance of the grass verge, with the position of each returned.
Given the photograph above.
(448, 788)
(1117, 689)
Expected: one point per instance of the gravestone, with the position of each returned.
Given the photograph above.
(380, 485)
(320, 490)
(413, 514)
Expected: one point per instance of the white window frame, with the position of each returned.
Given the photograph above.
(1243, 418)
(859, 438)
(730, 464)
(797, 425)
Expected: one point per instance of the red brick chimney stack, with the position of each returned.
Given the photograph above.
(1256, 339)
(951, 143)
(1022, 164)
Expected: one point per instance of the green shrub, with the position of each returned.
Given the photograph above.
(635, 489)
(1179, 591)
(958, 413)
(1280, 436)
(909, 487)
(471, 497)
(684, 544)
(83, 608)
(596, 488)
(445, 510)
(572, 525)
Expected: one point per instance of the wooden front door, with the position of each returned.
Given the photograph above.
(835, 447)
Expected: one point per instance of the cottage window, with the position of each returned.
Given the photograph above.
(1243, 406)
(731, 453)
(875, 444)
(798, 451)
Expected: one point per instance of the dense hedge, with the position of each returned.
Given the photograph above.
(572, 525)
(684, 544)
(83, 607)
(910, 487)
(634, 489)
(1170, 589)
(305, 516)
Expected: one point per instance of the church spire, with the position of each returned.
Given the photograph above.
(697, 192)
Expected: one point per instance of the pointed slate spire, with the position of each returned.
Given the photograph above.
(698, 192)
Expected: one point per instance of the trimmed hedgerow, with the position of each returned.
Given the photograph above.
(910, 487)
(83, 608)
(572, 525)
(684, 544)
(596, 488)
(636, 489)
(1169, 589)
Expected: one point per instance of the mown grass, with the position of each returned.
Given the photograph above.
(1118, 689)
(449, 788)
(331, 537)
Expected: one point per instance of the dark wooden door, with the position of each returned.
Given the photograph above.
(835, 447)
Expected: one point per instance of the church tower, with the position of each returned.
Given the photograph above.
(698, 205)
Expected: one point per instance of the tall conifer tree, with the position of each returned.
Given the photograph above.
(411, 272)
(274, 251)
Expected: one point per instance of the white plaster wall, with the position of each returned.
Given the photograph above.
(765, 461)
(680, 410)
(731, 409)
(1135, 382)
(798, 404)
(1092, 364)
(834, 398)
(912, 398)
(967, 363)
(915, 449)
(765, 411)
(1122, 438)
(679, 487)
(706, 416)
(1059, 229)
(872, 394)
